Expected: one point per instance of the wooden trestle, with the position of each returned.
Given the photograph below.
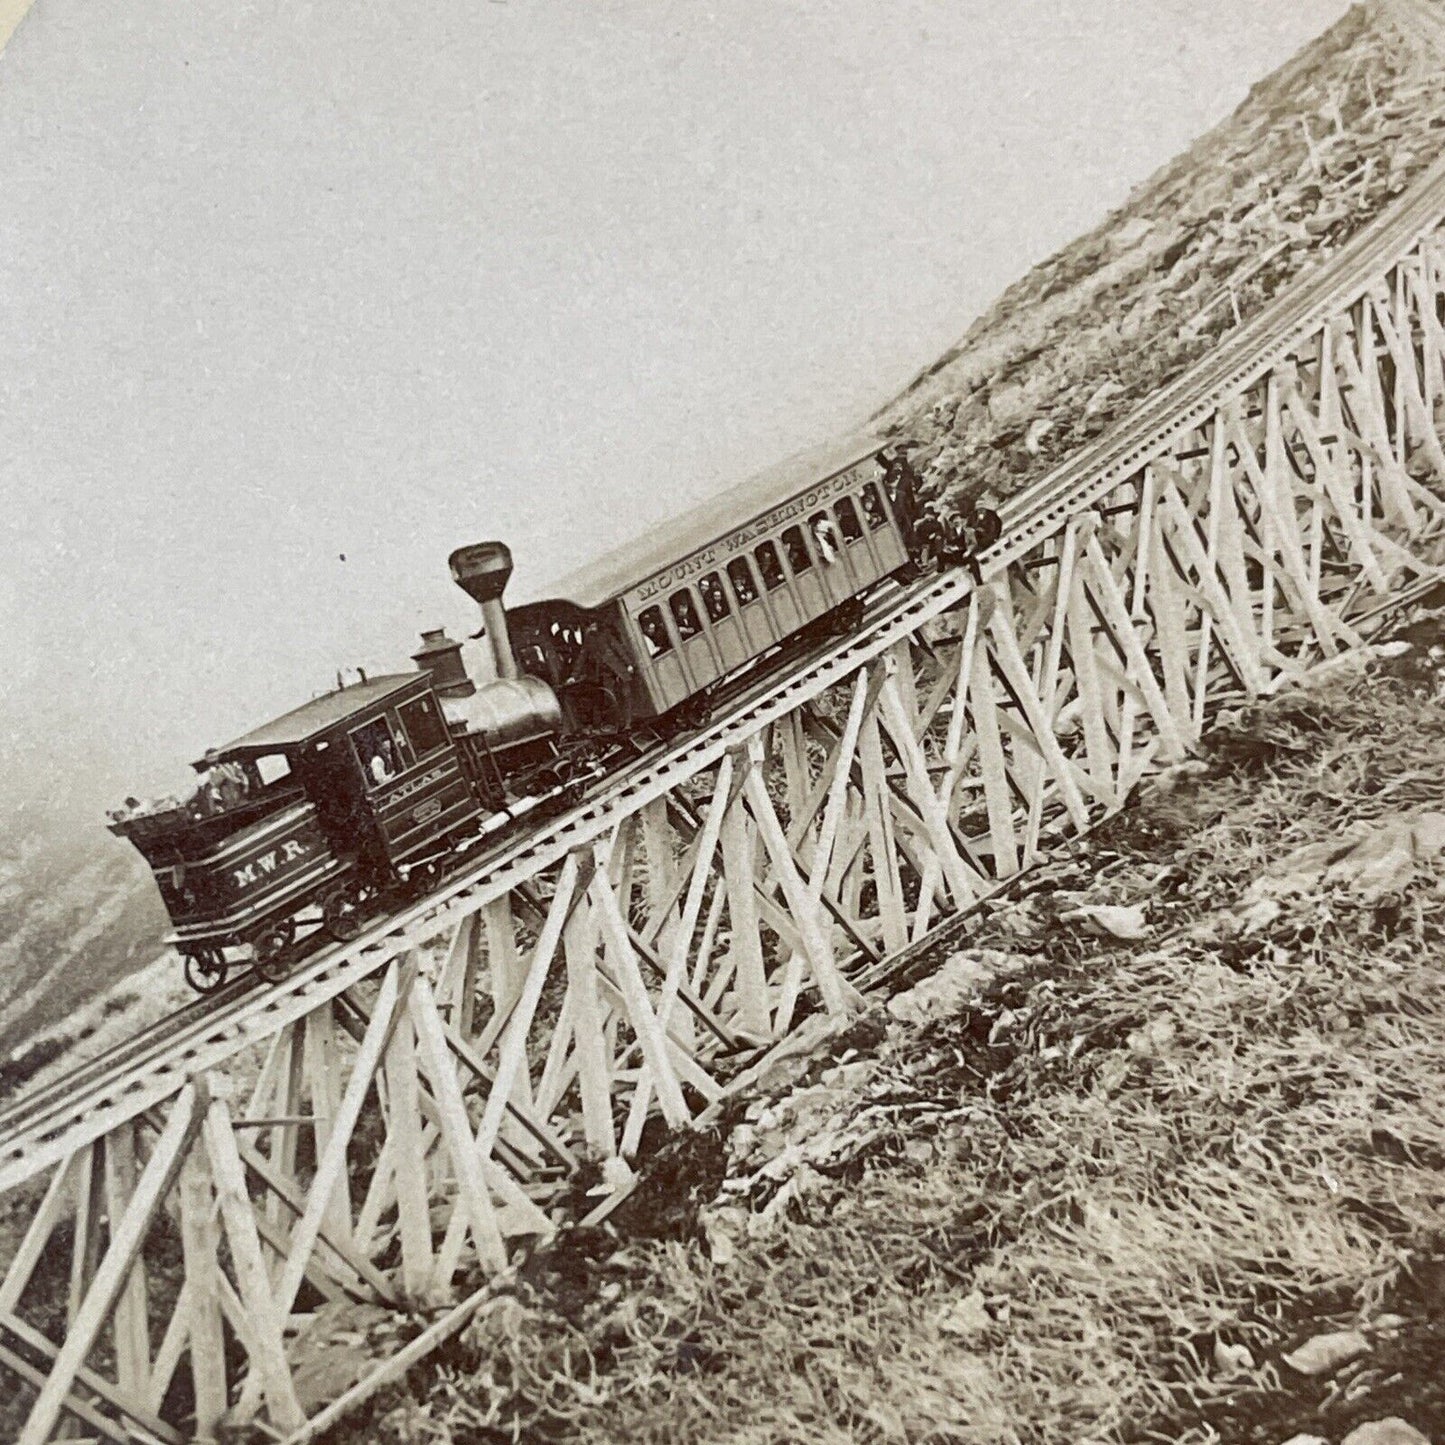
(389, 1128)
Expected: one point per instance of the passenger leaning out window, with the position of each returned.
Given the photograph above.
(825, 535)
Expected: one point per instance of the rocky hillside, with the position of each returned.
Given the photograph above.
(1314, 153)
(1157, 1152)
(77, 912)
(1153, 1151)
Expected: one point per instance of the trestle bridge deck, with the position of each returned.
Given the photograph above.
(386, 1124)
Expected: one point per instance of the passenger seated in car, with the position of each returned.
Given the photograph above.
(653, 633)
(383, 766)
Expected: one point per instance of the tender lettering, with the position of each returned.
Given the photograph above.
(267, 863)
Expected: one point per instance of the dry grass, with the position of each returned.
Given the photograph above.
(1035, 1217)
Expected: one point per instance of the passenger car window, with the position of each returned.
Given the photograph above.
(713, 597)
(848, 523)
(769, 567)
(684, 614)
(796, 550)
(741, 576)
(825, 535)
(654, 632)
(873, 507)
(423, 726)
(377, 752)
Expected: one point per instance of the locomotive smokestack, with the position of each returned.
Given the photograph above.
(442, 657)
(481, 571)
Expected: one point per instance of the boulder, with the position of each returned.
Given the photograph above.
(966, 1318)
(1102, 396)
(1391, 1431)
(1039, 428)
(1008, 404)
(1324, 1354)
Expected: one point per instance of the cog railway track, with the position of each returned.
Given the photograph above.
(1133, 587)
(38, 1127)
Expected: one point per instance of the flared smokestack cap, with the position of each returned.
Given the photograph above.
(482, 569)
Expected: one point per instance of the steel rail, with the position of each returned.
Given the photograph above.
(39, 1129)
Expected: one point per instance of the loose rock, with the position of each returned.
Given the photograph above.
(942, 993)
(1326, 1353)
(1039, 428)
(1232, 1359)
(1112, 919)
(966, 1317)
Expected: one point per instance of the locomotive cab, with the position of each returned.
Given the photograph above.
(378, 762)
(366, 787)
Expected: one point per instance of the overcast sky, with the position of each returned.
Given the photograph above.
(295, 298)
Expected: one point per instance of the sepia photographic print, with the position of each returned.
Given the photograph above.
(722, 723)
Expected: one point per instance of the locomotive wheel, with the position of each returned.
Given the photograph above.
(341, 915)
(271, 961)
(205, 969)
(424, 877)
(574, 790)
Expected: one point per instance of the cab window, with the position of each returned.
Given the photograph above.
(796, 550)
(848, 523)
(873, 507)
(769, 567)
(741, 576)
(272, 768)
(377, 752)
(423, 726)
(654, 632)
(684, 614)
(713, 597)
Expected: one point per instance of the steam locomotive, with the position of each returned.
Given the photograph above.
(369, 794)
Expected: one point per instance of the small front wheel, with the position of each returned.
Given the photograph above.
(205, 969)
(341, 915)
